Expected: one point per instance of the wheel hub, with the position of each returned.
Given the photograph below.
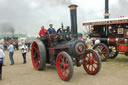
(91, 61)
(64, 66)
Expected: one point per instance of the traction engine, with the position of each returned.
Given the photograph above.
(65, 50)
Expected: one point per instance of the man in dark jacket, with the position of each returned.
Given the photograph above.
(51, 30)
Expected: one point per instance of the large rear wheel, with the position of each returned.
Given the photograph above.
(103, 51)
(64, 66)
(38, 54)
(91, 62)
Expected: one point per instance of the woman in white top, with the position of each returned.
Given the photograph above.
(24, 49)
(1, 61)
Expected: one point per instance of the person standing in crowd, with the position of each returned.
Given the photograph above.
(1, 61)
(43, 31)
(29, 46)
(24, 49)
(11, 52)
(51, 30)
(2, 47)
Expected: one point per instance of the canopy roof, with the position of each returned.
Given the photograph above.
(107, 21)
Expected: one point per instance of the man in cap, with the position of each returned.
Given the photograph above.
(51, 30)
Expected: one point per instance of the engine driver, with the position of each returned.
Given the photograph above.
(43, 31)
(51, 30)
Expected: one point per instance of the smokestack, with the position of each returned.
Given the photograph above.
(106, 15)
(73, 19)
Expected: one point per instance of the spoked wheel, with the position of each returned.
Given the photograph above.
(113, 52)
(103, 51)
(38, 54)
(91, 62)
(64, 66)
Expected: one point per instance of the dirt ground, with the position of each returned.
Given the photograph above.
(113, 72)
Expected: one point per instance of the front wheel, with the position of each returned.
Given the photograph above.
(64, 66)
(113, 52)
(103, 51)
(91, 62)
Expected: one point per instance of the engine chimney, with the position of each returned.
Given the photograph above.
(73, 19)
(106, 15)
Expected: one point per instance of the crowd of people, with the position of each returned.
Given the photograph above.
(24, 50)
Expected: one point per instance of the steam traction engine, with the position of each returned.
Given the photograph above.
(65, 50)
(112, 32)
(14, 40)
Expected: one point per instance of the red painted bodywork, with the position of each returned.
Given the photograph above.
(123, 48)
(57, 49)
(126, 53)
(112, 39)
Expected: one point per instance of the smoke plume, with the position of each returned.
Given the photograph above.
(6, 28)
(27, 16)
(119, 9)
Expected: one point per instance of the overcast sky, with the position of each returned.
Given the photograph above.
(27, 16)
